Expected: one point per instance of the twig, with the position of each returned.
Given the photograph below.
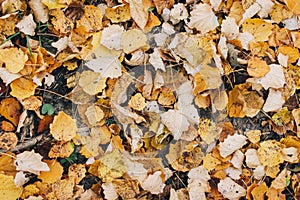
(27, 144)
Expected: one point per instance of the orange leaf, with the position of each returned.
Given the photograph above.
(54, 174)
(293, 5)
(10, 109)
(22, 88)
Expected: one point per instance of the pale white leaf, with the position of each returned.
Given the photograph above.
(40, 11)
(138, 13)
(173, 194)
(49, 79)
(7, 77)
(215, 4)
(203, 19)
(250, 12)
(283, 59)
(34, 198)
(156, 61)
(245, 39)
(230, 189)
(237, 159)
(108, 67)
(274, 101)
(198, 183)
(231, 144)
(176, 122)
(290, 154)
(233, 173)
(222, 47)
(135, 170)
(61, 44)
(31, 162)
(280, 182)
(111, 37)
(109, 191)
(252, 158)
(230, 28)
(27, 25)
(154, 183)
(259, 172)
(266, 7)
(178, 12)
(20, 179)
(292, 23)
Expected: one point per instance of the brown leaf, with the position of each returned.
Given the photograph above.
(10, 109)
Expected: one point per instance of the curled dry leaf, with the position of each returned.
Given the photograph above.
(137, 102)
(31, 162)
(16, 64)
(40, 11)
(63, 127)
(119, 13)
(154, 183)
(8, 140)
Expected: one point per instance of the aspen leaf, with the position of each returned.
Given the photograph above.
(162, 4)
(92, 82)
(109, 191)
(296, 115)
(138, 12)
(231, 144)
(230, 28)
(270, 153)
(257, 67)
(119, 13)
(54, 174)
(7, 77)
(260, 29)
(111, 37)
(154, 183)
(63, 127)
(61, 23)
(94, 114)
(8, 140)
(10, 108)
(40, 11)
(198, 183)
(108, 66)
(22, 88)
(91, 21)
(280, 12)
(210, 162)
(8, 189)
(137, 102)
(259, 191)
(293, 5)
(27, 25)
(31, 162)
(203, 19)
(17, 63)
(230, 189)
(133, 40)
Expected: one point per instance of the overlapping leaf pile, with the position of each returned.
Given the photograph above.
(142, 99)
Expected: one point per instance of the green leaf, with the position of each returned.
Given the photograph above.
(47, 109)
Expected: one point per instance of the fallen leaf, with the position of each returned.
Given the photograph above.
(138, 12)
(257, 67)
(210, 162)
(126, 189)
(22, 88)
(198, 183)
(280, 12)
(54, 174)
(133, 40)
(61, 150)
(77, 172)
(274, 101)
(91, 21)
(27, 25)
(292, 53)
(40, 11)
(253, 136)
(270, 153)
(60, 22)
(259, 191)
(8, 140)
(7, 77)
(252, 158)
(162, 4)
(156, 60)
(109, 191)
(8, 189)
(230, 28)
(63, 189)
(293, 5)
(230, 189)
(178, 12)
(32, 103)
(10, 109)
(260, 29)
(63, 127)
(200, 16)
(296, 115)
(92, 82)
(282, 117)
(111, 37)
(119, 13)
(231, 144)
(13, 65)
(30, 162)
(154, 183)
(108, 66)
(208, 130)
(94, 115)
(266, 7)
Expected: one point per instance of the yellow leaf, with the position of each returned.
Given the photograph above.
(258, 28)
(166, 98)
(259, 191)
(77, 172)
(63, 127)
(133, 40)
(296, 115)
(210, 162)
(7, 164)
(270, 153)
(22, 88)
(253, 136)
(91, 21)
(94, 115)
(292, 53)
(120, 13)
(293, 5)
(61, 23)
(10, 109)
(208, 130)
(13, 58)
(8, 24)
(55, 173)
(280, 12)
(61, 150)
(137, 102)
(282, 117)
(54, 4)
(32, 103)
(63, 189)
(257, 67)
(127, 189)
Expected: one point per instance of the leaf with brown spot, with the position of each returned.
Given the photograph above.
(10, 109)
